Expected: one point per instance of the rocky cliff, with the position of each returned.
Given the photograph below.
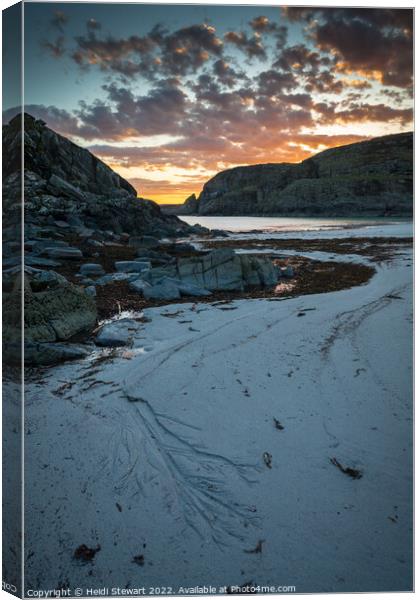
(372, 178)
(66, 182)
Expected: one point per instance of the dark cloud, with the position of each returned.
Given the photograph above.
(56, 48)
(299, 58)
(93, 25)
(359, 113)
(59, 20)
(250, 45)
(262, 25)
(58, 119)
(217, 112)
(381, 17)
(187, 49)
(273, 82)
(374, 42)
(324, 82)
(169, 54)
(226, 74)
(162, 110)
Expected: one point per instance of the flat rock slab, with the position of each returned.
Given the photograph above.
(92, 269)
(38, 261)
(68, 253)
(112, 277)
(53, 353)
(139, 285)
(117, 333)
(165, 290)
(132, 266)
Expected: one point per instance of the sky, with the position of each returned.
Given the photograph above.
(170, 95)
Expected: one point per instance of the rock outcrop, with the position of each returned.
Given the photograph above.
(372, 178)
(74, 205)
(55, 310)
(219, 270)
(66, 183)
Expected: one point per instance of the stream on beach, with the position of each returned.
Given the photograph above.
(253, 441)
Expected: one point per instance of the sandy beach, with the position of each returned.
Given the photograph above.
(208, 453)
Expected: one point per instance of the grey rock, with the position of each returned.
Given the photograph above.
(182, 248)
(12, 261)
(38, 261)
(69, 253)
(144, 241)
(117, 333)
(92, 269)
(132, 266)
(40, 245)
(44, 354)
(222, 269)
(61, 187)
(165, 290)
(156, 274)
(189, 289)
(39, 280)
(138, 285)
(95, 243)
(55, 309)
(111, 277)
(90, 290)
(62, 224)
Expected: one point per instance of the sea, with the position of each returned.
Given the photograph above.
(289, 224)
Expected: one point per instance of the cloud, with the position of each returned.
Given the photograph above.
(299, 58)
(59, 20)
(273, 82)
(250, 45)
(362, 113)
(123, 114)
(377, 43)
(158, 52)
(211, 108)
(56, 48)
(226, 75)
(93, 25)
(263, 26)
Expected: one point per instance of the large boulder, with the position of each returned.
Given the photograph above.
(117, 333)
(164, 290)
(54, 309)
(219, 270)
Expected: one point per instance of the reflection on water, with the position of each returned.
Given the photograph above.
(286, 223)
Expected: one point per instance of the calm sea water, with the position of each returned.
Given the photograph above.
(286, 224)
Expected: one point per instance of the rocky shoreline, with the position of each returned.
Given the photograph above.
(93, 250)
(370, 178)
(88, 283)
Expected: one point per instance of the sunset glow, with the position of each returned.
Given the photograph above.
(170, 97)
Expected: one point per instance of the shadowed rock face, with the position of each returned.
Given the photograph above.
(66, 182)
(373, 178)
(55, 310)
